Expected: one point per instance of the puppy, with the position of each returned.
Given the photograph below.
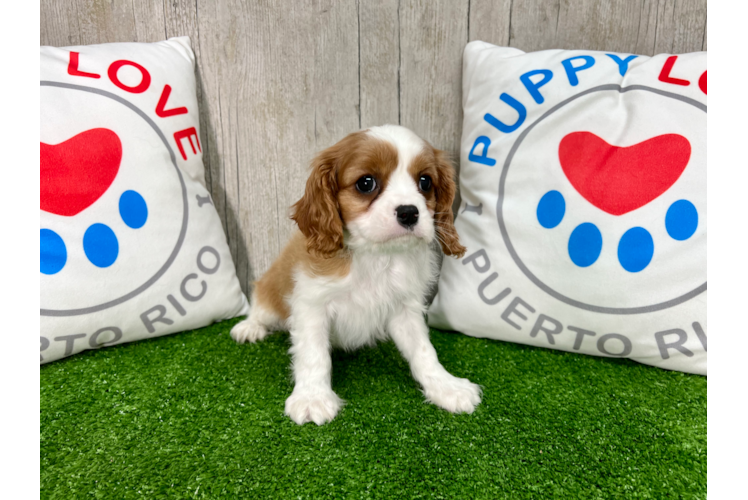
(359, 268)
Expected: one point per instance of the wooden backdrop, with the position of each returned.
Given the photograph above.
(280, 80)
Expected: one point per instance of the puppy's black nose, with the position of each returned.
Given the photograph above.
(407, 215)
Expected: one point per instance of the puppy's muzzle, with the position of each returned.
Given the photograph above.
(407, 215)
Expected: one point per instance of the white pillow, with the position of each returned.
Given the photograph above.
(583, 182)
(131, 245)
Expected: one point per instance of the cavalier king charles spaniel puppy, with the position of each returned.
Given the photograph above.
(360, 266)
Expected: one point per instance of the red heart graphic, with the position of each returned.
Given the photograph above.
(75, 173)
(618, 180)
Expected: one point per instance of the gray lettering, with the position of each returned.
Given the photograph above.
(176, 304)
(480, 254)
(512, 308)
(203, 267)
(148, 322)
(69, 341)
(94, 340)
(700, 333)
(581, 332)
(677, 345)
(44, 344)
(187, 295)
(538, 327)
(625, 341)
(497, 298)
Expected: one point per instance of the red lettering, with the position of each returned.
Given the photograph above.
(702, 82)
(187, 133)
(161, 106)
(145, 81)
(73, 67)
(665, 73)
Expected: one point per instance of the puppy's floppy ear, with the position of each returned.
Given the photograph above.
(317, 213)
(445, 195)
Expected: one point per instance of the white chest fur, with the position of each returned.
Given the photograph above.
(358, 306)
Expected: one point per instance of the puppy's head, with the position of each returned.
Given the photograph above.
(386, 187)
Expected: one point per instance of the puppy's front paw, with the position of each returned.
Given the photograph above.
(456, 395)
(248, 331)
(319, 407)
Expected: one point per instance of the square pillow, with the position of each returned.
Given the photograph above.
(583, 182)
(131, 245)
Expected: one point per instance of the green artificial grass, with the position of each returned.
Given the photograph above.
(195, 415)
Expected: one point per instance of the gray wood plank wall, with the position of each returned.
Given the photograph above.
(280, 80)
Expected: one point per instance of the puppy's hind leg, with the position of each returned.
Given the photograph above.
(262, 320)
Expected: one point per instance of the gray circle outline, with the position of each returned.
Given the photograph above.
(505, 235)
(185, 213)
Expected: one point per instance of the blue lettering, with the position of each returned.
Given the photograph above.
(571, 70)
(533, 87)
(482, 158)
(503, 127)
(623, 64)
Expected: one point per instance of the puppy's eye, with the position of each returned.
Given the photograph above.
(424, 183)
(366, 184)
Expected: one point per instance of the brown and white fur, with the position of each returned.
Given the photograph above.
(355, 273)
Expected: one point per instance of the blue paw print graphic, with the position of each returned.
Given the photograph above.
(100, 244)
(635, 248)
